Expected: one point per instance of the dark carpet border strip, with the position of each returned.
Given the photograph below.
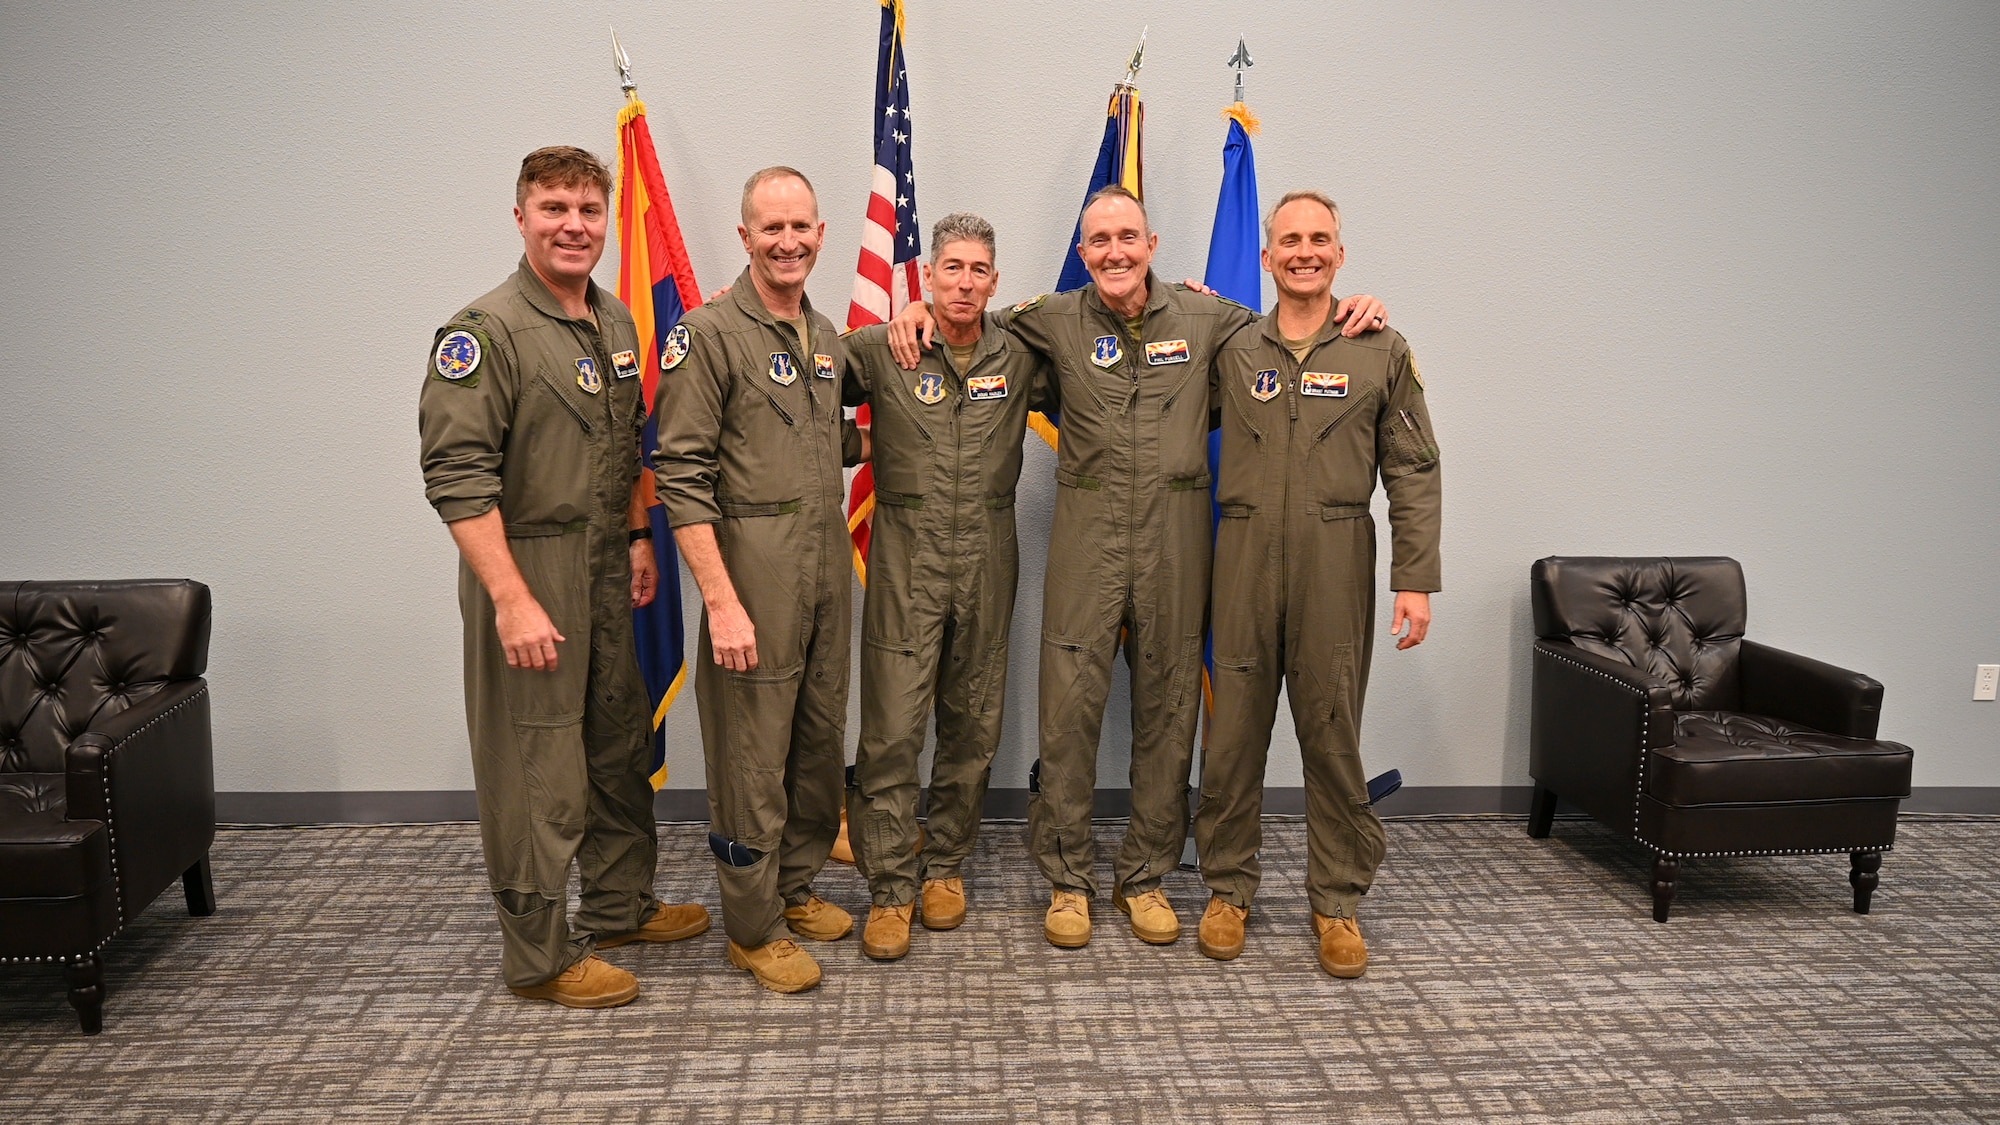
(438, 806)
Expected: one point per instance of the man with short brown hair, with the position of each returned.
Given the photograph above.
(530, 416)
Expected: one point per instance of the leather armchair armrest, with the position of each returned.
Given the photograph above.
(1593, 720)
(148, 772)
(1785, 685)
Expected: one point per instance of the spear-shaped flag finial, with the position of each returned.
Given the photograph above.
(1241, 61)
(1138, 58)
(624, 64)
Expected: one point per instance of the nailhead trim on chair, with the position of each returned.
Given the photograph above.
(1775, 851)
(111, 833)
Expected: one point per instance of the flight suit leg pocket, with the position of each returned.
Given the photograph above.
(760, 707)
(1075, 679)
(546, 710)
(1337, 706)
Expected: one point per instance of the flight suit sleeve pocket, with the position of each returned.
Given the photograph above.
(1410, 447)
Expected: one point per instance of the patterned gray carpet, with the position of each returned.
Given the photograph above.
(351, 973)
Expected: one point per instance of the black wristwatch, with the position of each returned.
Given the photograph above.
(638, 533)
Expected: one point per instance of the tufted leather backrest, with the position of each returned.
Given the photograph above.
(1679, 619)
(74, 652)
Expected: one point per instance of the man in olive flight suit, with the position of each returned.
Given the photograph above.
(1128, 556)
(1309, 418)
(529, 418)
(749, 467)
(942, 564)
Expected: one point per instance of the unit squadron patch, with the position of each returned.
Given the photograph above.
(782, 371)
(1415, 374)
(1105, 351)
(1031, 303)
(1166, 351)
(929, 389)
(1265, 386)
(1322, 385)
(979, 388)
(822, 366)
(587, 376)
(626, 364)
(675, 348)
(457, 357)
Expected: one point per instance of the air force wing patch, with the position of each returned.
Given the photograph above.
(587, 376)
(1266, 386)
(1319, 384)
(929, 389)
(674, 348)
(457, 356)
(783, 371)
(1167, 351)
(1105, 351)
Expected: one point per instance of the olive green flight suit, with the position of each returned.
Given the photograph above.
(942, 564)
(1302, 444)
(559, 759)
(752, 440)
(1129, 552)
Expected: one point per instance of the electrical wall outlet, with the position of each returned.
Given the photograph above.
(1986, 684)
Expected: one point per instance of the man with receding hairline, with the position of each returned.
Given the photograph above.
(530, 418)
(752, 443)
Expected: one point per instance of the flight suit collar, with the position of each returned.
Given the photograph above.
(546, 303)
(1327, 330)
(744, 292)
(989, 341)
(1156, 297)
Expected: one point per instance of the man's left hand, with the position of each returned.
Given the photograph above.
(1414, 607)
(645, 573)
(1360, 313)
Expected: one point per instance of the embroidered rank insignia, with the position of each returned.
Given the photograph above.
(626, 364)
(1166, 351)
(472, 316)
(929, 389)
(1322, 385)
(457, 355)
(1031, 303)
(979, 388)
(1106, 352)
(587, 376)
(782, 371)
(675, 348)
(1266, 386)
(822, 366)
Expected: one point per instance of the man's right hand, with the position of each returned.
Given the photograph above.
(913, 330)
(527, 634)
(732, 637)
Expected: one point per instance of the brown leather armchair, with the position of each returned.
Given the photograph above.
(1656, 716)
(107, 778)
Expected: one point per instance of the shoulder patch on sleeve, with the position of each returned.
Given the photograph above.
(1030, 303)
(1416, 376)
(675, 348)
(460, 350)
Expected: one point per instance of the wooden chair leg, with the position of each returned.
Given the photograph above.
(1542, 814)
(200, 888)
(86, 991)
(1666, 876)
(1863, 878)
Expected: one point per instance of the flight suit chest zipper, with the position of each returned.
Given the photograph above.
(567, 404)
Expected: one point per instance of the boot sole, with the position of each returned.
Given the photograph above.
(775, 986)
(948, 922)
(1344, 972)
(886, 952)
(608, 1000)
(1066, 941)
(681, 934)
(1220, 952)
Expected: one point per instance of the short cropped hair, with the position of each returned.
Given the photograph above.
(1120, 191)
(775, 172)
(563, 166)
(961, 226)
(1319, 197)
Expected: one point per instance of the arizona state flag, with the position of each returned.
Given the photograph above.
(656, 281)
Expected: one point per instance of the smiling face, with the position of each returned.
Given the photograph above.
(781, 232)
(1304, 251)
(961, 279)
(562, 230)
(1117, 249)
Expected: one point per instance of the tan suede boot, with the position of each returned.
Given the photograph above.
(944, 903)
(887, 935)
(780, 966)
(1067, 924)
(1221, 932)
(1153, 919)
(1341, 950)
(671, 922)
(819, 920)
(590, 983)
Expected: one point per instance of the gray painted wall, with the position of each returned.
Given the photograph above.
(1707, 278)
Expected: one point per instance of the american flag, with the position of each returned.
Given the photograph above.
(886, 278)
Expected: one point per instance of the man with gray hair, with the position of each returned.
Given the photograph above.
(941, 572)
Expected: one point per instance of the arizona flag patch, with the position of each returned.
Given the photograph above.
(1167, 351)
(1322, 385)
(822, 366)
(982, 387)
(626, 364)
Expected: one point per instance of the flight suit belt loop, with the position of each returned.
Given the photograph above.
(1340, 511)
(999, 502)
(781, 508)
(540, 530)
(898, 499)
(1078, 480)
(1188, 484)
